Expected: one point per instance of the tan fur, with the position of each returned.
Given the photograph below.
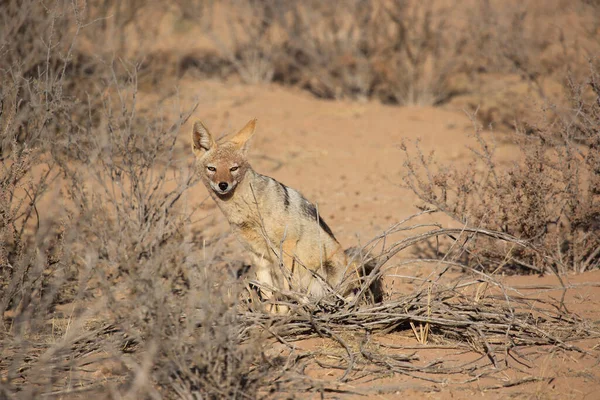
(290, 246)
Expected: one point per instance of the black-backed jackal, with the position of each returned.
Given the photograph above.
(291, 245)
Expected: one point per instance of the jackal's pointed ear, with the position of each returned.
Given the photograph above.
(202, 140)
(242, 138)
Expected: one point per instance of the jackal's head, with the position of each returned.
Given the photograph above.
(222, 165)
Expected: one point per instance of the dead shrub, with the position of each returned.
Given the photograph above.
(549, 198)
(399, 52)
(105, 278)
(30, 249)
(145, 307)
(519, 54)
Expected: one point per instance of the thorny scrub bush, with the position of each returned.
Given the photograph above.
(122, 289)
(397, 51)
(549, 198)
(98, 273)
(52, 55)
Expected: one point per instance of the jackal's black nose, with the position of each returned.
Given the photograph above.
(223, 185)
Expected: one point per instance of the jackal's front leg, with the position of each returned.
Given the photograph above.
(264, 272)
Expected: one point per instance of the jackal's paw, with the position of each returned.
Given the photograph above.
(277, 309)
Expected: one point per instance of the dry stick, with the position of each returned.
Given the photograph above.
(450, 232)
(518, 382)
(445, 255)
(509, 353)
(591, 258)
(556, 273)
(375, 273)
(423, 337)
(424, 347)
(344, 345)
(369, 355)
(488, 349)
(401, 245)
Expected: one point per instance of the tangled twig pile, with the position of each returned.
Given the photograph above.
(474, 312)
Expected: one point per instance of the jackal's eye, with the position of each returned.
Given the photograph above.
(211, 169)
(233, 169)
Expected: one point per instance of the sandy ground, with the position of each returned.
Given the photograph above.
(345, 157)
